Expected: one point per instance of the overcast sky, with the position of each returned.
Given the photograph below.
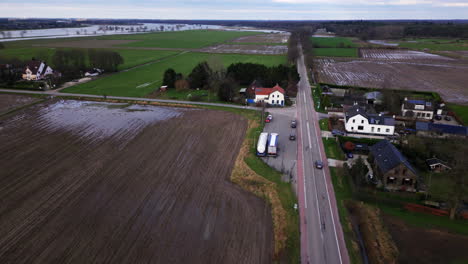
(239, 9)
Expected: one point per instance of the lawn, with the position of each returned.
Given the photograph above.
(144, 80)
(257, 43)
(336, 52)
(461, 111)
(191, 39)
(332, 149)
(323, 124)
(336, 42)
(435, 44)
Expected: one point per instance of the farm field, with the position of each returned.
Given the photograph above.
(247, 49)
(435, 44)
(265, 39)
(10, 102)
(397, 54)
(144, 80)
(192, 39)
(444, 76)
(334, 47)
(336, 52)
(101, 187)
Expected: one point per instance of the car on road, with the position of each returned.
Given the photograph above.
(269, 119)
(293, 124)
(447, 118)
(292, 136)
(336, 132)
(319, 164)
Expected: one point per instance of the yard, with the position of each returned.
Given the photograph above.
(141, 81)
(192, 39)
(461, 111)
(333, 149)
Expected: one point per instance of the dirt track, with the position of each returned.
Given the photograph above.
(78, 192)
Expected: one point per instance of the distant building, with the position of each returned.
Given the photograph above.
(437, 165)
(374, 98)
(417, 108)
(272, 96)
(36, 70)
(392, 168)
(440, 130)
(357, 120)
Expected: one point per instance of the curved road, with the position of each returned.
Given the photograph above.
(322, 239)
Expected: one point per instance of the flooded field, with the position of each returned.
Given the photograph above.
(9, 102)
(265, 38)
(395, 54)
(87, 182)
(247, 49)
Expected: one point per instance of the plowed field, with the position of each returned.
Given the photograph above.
(85, 182)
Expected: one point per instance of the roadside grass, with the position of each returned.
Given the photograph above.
(258, 43)
(189, 95)
(332, 149)
(336, 52)
(316, 92)
(284, 190)
(435, 44)
(343, 193)
(190, 39)
(323, 123)
(461, 111)
(146, 79)
(336, 42)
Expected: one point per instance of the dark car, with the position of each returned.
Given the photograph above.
(319, 164)
(292, 136)
(349, 155)
(447, 118)
(337, 132)
(293, 124)
(438, 117)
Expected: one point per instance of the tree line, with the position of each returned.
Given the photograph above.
(211, 75)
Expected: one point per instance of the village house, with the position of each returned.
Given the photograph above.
(437, 165)
(357, 120)
(36, 70)
(392, 168)
(417, 109)
(271, 96)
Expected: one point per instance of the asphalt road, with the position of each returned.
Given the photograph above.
(322, 238)
(53, 93)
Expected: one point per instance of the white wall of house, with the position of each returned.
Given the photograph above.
(276, 98)
(360, 124)
(261, 98)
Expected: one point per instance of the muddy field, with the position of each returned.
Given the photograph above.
(9, 102)
(426, 246)
(264, 38)
(446, 77)
(86, 182)
(247, 49)
(399, 54)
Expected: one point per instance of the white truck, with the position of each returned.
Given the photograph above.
(262, 144)
(273, 145)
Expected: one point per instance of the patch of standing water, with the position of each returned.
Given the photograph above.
(102, 120)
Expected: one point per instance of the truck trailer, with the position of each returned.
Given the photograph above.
(262, 144)
(273, 145)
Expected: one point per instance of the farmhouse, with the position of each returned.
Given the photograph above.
(392, 168)
(36, 70)
(271, 96)
(436, 165)
(417, 109)
(358, 121)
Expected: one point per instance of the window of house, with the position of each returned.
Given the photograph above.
(403, 171)
(372, 129)
(428, 115)
(407, 181)
(360, 127)
(387, 130)
(378, 129)
(418, 114)
(352, 128)
(354, 120)
(362, 121)
(391, 180)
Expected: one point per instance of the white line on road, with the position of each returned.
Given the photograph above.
(308, 135)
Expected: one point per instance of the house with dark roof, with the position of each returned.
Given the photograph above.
(437, 165)
(358, 120)
(440, 130)
(417, 108)
(392, 168)
(36, 70)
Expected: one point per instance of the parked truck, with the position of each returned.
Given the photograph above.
(262, 144)
(273, 145)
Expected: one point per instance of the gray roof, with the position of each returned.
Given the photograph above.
(435, 161)
(388, 157)
(356, 110)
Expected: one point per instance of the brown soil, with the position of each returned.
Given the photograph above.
(247, 49)
(165, 196)
(428, 246)
(446, 77)
(9, 102)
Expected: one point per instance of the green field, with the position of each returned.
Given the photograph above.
(144, 80)
(131, 57)
(336, 42)
(435, 44)
(336, 52)
(257, 43)
(192, 39)
(461, 111)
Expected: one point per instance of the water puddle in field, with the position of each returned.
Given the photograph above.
(102, 120)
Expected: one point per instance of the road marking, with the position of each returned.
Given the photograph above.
(305, 100)
(308, 135)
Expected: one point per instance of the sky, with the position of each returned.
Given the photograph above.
(238, 10)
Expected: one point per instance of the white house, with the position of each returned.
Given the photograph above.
(358, 121)
(418, 109)
(271, 96)
(36, 70)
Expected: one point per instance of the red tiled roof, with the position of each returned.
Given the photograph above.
(268, 91)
